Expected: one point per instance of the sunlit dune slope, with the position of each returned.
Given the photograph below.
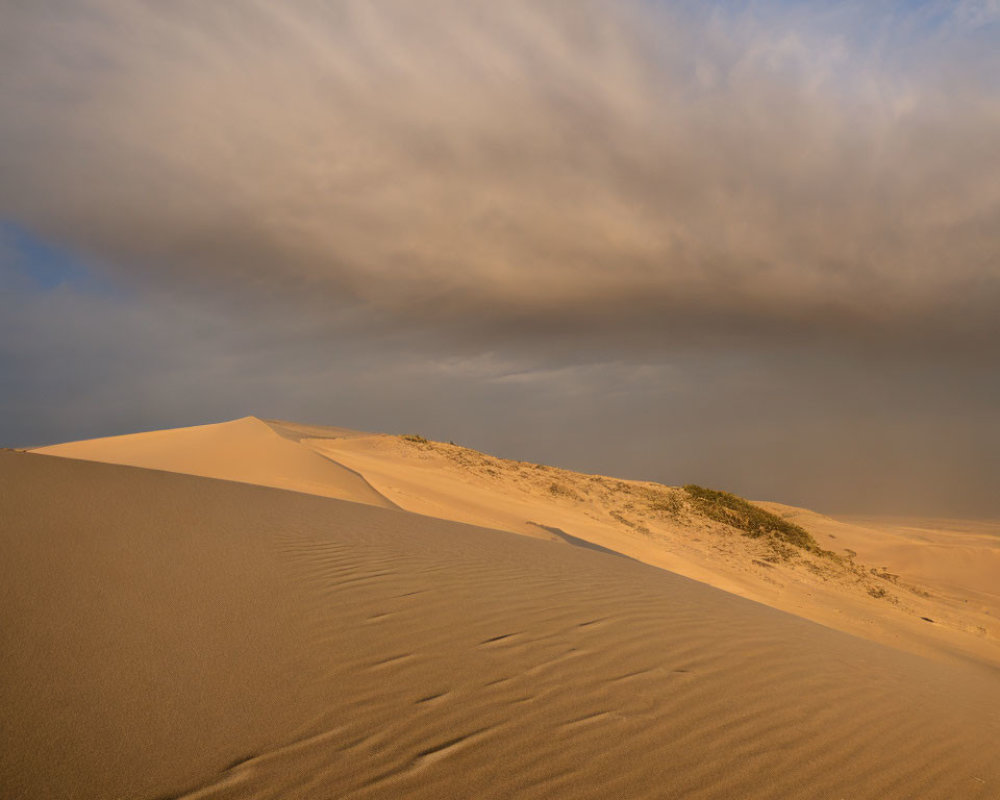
(855, 579)
(165, 635)
(959, 558)
(245, 450)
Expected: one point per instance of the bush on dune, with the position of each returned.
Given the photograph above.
(752, 520)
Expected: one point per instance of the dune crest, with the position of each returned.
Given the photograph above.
(246, 450)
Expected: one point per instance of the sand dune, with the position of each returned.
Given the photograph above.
(245, 450)
(951, 554)
(886, 591)
(169, 636)
(953, 565)
(957, 556)
(930, 593)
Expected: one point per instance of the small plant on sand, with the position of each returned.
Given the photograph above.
(414, 437)
(619, 517)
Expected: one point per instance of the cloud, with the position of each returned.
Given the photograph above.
(806, 427)
(521, 169)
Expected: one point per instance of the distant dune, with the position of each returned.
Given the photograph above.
(165, 635)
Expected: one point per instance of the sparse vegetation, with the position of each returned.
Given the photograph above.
(660, 511)
(617, 515)
(660, 500)
(752, 520)
(884, 574)
(561, 490)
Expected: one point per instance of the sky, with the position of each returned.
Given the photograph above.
(752, 245)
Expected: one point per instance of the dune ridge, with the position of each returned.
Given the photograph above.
(170, 636)
(245, 450)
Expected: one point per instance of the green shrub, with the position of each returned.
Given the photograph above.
(752, 520)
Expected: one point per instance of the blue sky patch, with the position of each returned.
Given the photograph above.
(47, 264)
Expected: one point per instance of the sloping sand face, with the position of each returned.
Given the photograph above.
(169, 636)
(245, 450)
(931, 596)
(955, 563)
(960, 556)
(957, 556)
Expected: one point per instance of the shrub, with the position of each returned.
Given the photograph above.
(752, 520)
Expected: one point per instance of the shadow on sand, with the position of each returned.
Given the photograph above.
(576, 541)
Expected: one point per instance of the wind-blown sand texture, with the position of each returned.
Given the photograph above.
(171, 636)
